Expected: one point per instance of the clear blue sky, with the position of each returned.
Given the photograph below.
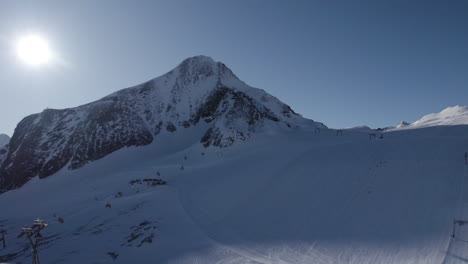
(344, 63)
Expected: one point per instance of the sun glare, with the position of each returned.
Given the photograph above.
(33, 50)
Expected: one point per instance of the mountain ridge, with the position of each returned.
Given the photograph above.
(453, 115)
(197, 90)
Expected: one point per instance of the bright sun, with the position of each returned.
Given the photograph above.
(33, 50)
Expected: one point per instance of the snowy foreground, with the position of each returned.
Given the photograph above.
(292, 197)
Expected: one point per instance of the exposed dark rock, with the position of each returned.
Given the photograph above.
(195, 91)
(170, 127)
(157, 128)
(235, 106)
(145, 229)
(186, 124)
(208, 110)
(113, 255)
(44, 143)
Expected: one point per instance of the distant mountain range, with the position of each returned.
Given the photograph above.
(198, 94)
(456, 115)
(197, 167)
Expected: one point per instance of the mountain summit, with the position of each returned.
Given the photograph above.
(199, 92)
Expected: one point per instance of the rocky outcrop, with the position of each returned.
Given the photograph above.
(198, 90)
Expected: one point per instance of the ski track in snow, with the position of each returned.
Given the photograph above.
(457, 250)
(317, 256)
(283, 198)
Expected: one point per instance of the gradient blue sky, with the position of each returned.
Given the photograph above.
(344, 63)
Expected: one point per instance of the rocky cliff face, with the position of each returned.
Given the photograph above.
(198, 90)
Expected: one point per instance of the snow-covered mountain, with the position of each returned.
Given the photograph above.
(402, 124)
(4, 139)
(246, 180)
(359, 128)
(198, 93)
(456, 115)
(292, 197)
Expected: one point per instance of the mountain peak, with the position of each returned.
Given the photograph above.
(199, 92)
(201, 67)
(402, 124)
(199, 59)
(195, 68)
(457, 109)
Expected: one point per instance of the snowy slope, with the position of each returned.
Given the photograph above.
(456, 115)
(402, 124)
(359, 128)
(289, 197)
(248, 181)
(199, 92)
(4, 139)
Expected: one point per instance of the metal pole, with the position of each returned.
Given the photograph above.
(453, 228)
(3, 238)
(35, 231)
(34, 251)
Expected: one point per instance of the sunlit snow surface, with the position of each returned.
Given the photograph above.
(289, 197)
(455, 115)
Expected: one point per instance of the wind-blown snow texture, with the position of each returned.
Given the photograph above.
(199, 91)
(289, 194)
(290, 197)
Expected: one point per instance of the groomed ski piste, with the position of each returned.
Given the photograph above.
(457, 252)
(283, 197)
